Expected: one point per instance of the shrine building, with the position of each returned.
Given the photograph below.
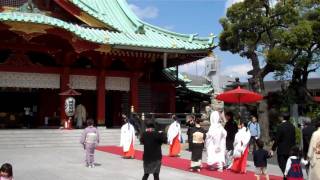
(99, 48)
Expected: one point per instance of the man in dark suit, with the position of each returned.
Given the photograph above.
(307, 132)
(285, 139)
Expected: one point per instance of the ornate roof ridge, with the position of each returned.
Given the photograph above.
(150, 41)
(136, 23)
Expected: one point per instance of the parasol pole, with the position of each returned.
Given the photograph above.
(239, 106)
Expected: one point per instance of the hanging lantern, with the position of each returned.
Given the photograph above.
(70, 106)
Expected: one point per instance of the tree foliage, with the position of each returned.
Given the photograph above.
(256, 29)
(302, 40)
(281, 38)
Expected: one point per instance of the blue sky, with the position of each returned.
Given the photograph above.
(193, 16)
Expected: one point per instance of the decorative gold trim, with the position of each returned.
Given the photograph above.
(91, 21)
(104, 48)
(9, 9)
(28, 28)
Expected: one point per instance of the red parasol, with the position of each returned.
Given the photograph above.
(70, 92)
(239, 95)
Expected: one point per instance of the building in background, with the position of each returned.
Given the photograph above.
(213, 73)
(97, 47)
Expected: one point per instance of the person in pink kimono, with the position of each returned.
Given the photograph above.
(90, 139)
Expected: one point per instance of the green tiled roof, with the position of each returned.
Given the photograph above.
(171, 74)
(204, 89)
(117, 14)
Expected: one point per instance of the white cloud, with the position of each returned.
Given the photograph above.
(169, 27)
(314, 75)
(148, 12)
(231, 2)
(195, 68)
(239, 70)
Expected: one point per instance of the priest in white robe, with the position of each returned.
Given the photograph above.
(127, 139)
(174, 138)
(314, 154)
(80, 115)
(216, 143)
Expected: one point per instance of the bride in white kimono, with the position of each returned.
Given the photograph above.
(216, 143)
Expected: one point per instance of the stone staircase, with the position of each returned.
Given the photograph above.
(54, 138)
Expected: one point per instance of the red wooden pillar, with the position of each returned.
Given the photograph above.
(134, 99)
(101, 98)
(172, 97)
(64, 85)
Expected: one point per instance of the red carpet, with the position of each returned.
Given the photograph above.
(183, 164)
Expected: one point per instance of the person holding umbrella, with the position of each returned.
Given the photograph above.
(239, 96)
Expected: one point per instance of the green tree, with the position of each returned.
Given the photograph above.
(254, 29)
(302, 40)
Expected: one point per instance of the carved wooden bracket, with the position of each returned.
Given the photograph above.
(18, 58)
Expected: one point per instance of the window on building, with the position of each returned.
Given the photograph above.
(214, 66)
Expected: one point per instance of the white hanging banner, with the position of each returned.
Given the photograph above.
(83, 82)
(118, 83)
(29, 80)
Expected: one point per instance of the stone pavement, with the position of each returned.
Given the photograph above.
(68, 164)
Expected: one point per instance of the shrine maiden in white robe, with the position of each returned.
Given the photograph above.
(314, 156)
(241, 150)
(216, 142)
(174, 130)
(241, 141)
(174, 139)
(127, 137)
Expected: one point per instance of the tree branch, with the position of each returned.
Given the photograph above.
(314, 69)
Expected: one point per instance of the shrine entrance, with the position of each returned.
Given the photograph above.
(117, 102)
(28, 108)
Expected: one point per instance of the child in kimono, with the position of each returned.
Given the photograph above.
(293, 169)
(6, 172)
(90, 139)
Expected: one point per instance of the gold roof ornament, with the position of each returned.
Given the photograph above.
(174, 44)
(106, 38)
